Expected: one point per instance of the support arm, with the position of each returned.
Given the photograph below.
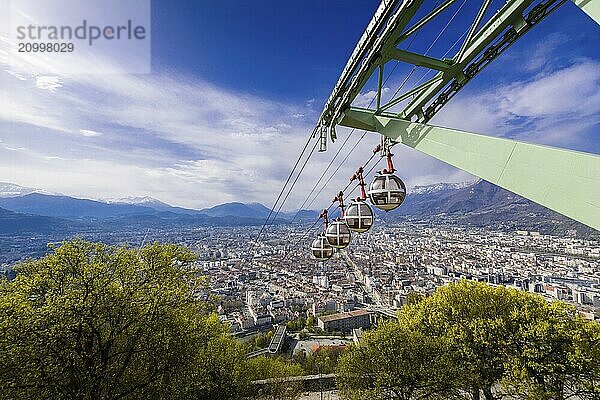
(565, 181)
(591, 8)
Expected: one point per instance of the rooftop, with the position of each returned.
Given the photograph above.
(344, 315)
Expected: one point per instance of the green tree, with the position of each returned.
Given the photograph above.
(395, 362)
(296, 324)
(272, 375)
(586, 355)
(556, 355)
(414, 298)
(90, 321)
(261, 340)
(323, 361)
(474, 320)
(303, 335)
(490, 342)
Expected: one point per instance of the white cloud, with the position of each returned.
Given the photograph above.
(367, 99)
(51, 83)
(16, 75)
(541, 56)
(552, 108)
(559, 93)
(89, 133)
(193, 144)
(165, 135)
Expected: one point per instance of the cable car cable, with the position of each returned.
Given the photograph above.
(337, 169)
(295, 180)
(328, 166)
(322, 175)
(310, 228)
(343, 144)
(286, 183)
(365, 164)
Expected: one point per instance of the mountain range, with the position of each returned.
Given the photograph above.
(15, 223)
(478, 203)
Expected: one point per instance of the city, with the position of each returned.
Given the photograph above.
(380, 269)
(277, 279)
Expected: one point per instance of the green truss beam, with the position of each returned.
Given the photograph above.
(563, 180)
(393, 24)
(419, 60)
(506, 16)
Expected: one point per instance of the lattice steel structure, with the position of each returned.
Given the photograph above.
(563, 180)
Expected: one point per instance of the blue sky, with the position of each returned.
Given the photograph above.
(287, 51)
(235, 89)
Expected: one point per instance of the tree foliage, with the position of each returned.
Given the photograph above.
(259, 341)
(297, 324)
(323, 361)
(90, 321)
(472, 340)
(394, 362)
(275, 371)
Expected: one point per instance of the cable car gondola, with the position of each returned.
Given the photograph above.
(359, 215)
(321, 248)
(338, 234)
(387, 191)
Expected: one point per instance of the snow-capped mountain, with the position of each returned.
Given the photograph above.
(149, 202)
(477, 203)
(438, 187)
(12, 190)
(146, 201)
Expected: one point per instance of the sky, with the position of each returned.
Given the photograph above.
(236, 87)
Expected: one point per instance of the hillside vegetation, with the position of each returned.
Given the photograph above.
(469, 341)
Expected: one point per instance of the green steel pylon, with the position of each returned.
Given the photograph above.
(563, 180)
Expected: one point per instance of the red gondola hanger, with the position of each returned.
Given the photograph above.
(324, 215)
(390, 169)
(377, 149)
(361, 182)
(384, 148)
(340, 199)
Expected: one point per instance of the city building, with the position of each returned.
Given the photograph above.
(345, 322)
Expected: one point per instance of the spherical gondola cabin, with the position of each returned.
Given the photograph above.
(321, 248)
(338, 234)
(359, 216)
(387, 191)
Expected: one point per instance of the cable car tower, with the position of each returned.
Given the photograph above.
(563, 180)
